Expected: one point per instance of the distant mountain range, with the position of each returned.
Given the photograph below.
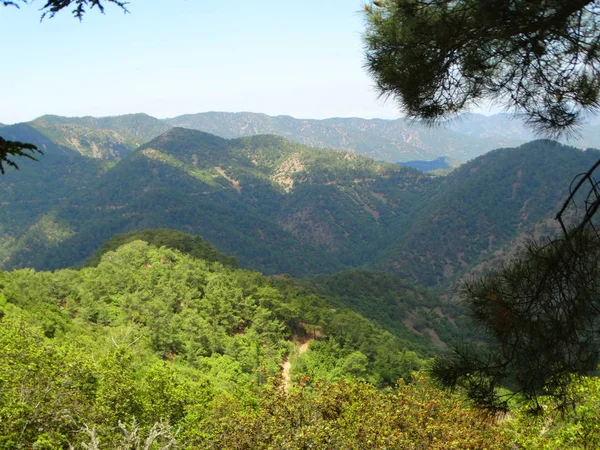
(277, 205)
(400, 140)
(386, 140)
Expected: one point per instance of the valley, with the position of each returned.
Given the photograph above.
(181, 271)
(300, 225)
(276, 205)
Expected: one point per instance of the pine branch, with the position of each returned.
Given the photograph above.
(15, 148)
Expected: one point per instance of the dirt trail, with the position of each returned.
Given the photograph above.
(286, 365)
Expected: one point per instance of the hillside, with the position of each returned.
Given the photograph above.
(30, 194)
(387, 140)
(399, 140)
(396, 305)
(276, 205)
(161, 335)
(155, 346)
(484, 204)
(211, 330)
(108, 138)
(196, 358)
(281, 207)
(194, 246)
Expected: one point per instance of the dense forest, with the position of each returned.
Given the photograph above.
(147, 335)
(244, 281)
(173, 346)
(281, 207)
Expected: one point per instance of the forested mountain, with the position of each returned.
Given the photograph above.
(31, 193)
(387, 140)
(148, 327)
(281, 207)
(399, 140)
(158, 336)
(276, 205)
(109, 138)
(154, 346)
(495, 127)
(484, 204)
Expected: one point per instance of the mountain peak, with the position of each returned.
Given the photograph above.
(182, 135)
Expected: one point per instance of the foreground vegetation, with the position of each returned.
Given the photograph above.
(155, 348)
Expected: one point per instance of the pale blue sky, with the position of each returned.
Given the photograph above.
(171, 57)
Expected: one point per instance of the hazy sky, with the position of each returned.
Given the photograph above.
(171, 57)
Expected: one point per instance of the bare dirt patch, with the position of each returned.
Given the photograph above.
(286, 364)
(283, 174)
(234, 183)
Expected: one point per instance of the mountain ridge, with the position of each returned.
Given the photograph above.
(392, 140)
(279, 206)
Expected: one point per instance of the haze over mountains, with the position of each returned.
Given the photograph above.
(399, 140)
(388, 140)
(159, 232)
(278, 206)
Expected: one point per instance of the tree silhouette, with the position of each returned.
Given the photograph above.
(10, 149)
(541, 60)
(80, 7)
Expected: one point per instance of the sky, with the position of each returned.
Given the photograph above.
(302, 58)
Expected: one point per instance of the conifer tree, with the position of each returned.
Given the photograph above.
(541, 60)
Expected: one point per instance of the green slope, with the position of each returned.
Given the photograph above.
(484, 204)
(276, 205)
(109, 138)
(155, 346)
(281, 207)
(157, 334)
(32, 193)
(387, 140)
(194, 246)
(403, 308)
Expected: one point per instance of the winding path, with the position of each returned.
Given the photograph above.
(286, 365)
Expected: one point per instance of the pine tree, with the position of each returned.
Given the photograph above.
(541, 60)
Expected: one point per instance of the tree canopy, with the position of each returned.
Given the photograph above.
(538, 58)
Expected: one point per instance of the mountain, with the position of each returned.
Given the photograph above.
(30, 194)
(155, 345)
(496, 127)
(281, 207)
(401, 140)
(141, 126)
(482, 205)
(276, 205)
(387, 140)
(108, 138)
